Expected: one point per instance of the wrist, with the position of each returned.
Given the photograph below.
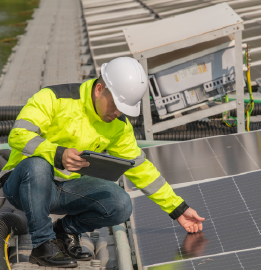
(59, 157)
(177, 212)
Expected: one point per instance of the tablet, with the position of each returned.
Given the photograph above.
(105, 166)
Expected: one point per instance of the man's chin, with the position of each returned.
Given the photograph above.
(107, 120)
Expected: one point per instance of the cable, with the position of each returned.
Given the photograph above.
(6, 253)
(250, 106)
(225, 114)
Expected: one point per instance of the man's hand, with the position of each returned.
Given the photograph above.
(191, 221)
(71, 160)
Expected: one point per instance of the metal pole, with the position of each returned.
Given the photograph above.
(123, 250)
(239, 83)
(146, 106)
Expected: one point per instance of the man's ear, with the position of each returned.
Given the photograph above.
(98, 90)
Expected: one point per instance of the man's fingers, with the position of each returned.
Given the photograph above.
(76, 158)
(79, 161)
(200, 226)
(75, 151)
(73, 169)
(191, 229)
(197, 217)
(71, 162)
(187, 229)
(77, 166)
(195, 227)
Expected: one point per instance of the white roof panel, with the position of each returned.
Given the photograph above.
(148, 36)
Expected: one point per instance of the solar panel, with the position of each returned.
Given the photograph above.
(205, 158)
(231, 206)
(237, 260)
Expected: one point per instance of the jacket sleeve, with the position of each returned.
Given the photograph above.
(31, 125)
(145, 176)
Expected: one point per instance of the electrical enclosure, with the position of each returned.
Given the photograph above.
(192, 82)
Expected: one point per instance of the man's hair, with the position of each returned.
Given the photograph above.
(99, 80)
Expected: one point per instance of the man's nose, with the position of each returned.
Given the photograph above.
(118, 113)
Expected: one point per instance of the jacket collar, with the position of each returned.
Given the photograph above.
(86, 98)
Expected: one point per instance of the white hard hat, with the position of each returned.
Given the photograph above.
(127, 82)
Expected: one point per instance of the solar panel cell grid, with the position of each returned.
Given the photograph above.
(232, 210)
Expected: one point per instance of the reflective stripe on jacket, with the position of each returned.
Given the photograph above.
(63, 116)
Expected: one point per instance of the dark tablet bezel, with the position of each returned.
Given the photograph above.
(87, 153)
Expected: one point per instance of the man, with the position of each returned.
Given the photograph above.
(53, 128)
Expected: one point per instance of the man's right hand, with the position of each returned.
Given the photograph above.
(191, 221)
(71, 160)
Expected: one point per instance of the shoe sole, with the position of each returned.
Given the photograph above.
(34, 260)
(61, 245)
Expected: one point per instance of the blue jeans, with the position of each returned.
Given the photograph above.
(89, 203)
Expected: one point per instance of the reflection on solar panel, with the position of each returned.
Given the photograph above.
(231, 206)
(205, 158)
(237, 260)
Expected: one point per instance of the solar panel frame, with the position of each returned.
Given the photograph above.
(242, 259)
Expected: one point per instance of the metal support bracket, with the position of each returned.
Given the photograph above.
(239, 83)
(13, 242)
(193, 117)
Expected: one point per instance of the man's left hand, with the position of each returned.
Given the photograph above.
(191, 221)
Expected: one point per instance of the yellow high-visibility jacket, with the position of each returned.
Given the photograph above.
(63, 116)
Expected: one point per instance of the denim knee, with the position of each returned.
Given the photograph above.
(123, 209)
(37, 165)
(32, 177)
(36, 171)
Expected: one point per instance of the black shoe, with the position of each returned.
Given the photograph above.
(50, 254)
(70, 243)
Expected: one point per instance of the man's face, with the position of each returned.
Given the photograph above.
(104, 104)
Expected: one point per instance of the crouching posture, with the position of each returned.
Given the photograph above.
(49, 134)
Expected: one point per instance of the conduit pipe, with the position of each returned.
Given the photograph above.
(9, 112)
(123, 250)
(5, 127)
(11, 219)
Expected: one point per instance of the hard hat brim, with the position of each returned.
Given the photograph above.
(127, 109)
